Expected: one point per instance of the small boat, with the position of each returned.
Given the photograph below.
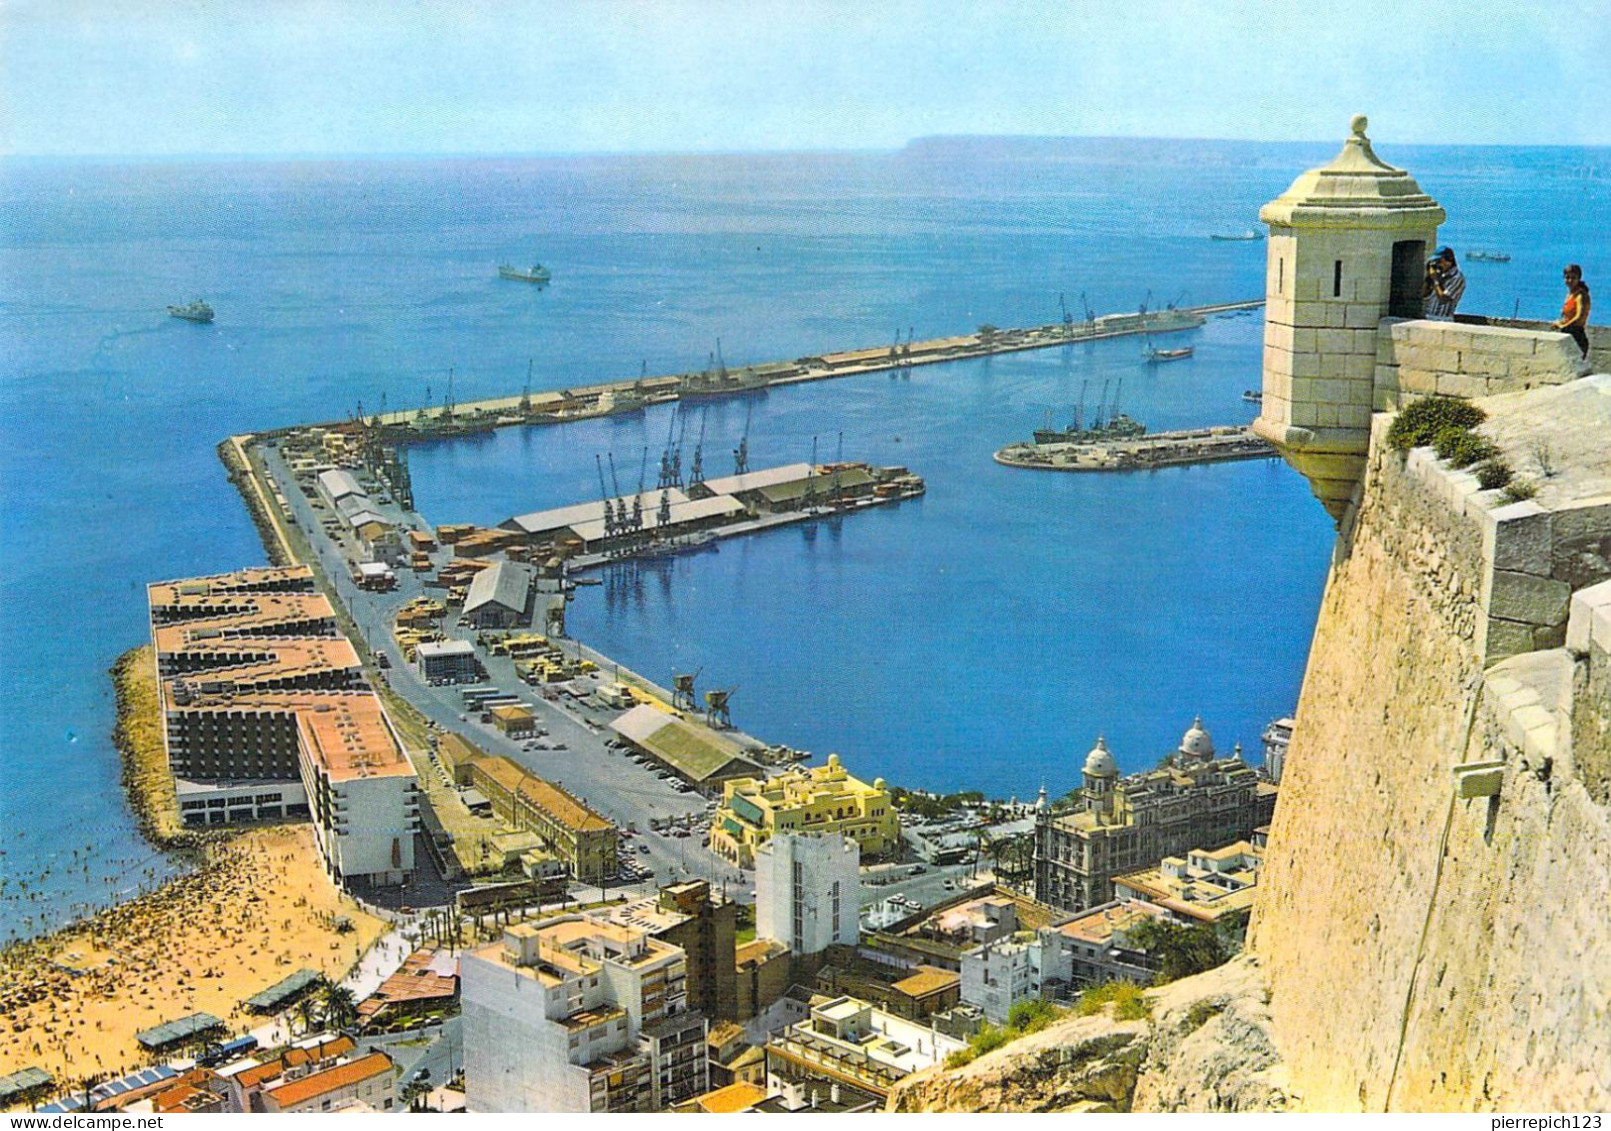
(1489, 256)
(1253, 396)
(1240, 237)
(536, 273)
(1154, 357)
(197, 311)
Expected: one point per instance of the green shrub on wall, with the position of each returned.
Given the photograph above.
(1420, 423)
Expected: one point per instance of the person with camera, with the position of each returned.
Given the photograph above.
(1444, 286)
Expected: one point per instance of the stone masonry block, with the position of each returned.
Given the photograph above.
(1364, 341)
(1309, 314)
(1335, 341)
(1354, 415)
(1362, 316)
(1305, 365)
(1305, 290)
(1481, 363)
(1461, 385)
(1517, 537)
(1503, 638)
(1336, 315)
(1278, 335)
(1525, 597)
(1591, 608)
(1359, 367)
(1438, 359)
(1331, 365)
(1304, 340)
(1524, 719)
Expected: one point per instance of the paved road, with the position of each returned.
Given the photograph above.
(628, 794)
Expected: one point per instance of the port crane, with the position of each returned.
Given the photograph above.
(696, 473)
(525, 394)
(610, 527)
(1068, 319)
(717, 715)
(741, 454)
(682, 690)
(809, 498)
(637, 500)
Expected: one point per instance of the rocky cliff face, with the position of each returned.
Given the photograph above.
(1432, 928)
(1206, 1047)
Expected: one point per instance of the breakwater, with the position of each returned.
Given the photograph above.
(1163, 449)
(625, 397)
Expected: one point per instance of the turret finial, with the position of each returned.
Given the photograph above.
(1358, 124)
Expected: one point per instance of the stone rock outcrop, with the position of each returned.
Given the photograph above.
(1206, 1047)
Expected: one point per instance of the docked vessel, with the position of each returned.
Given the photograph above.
(536, 273)
(621, 402)
(1106, 425)
(1239, 237)
(717, 381)
(197, 311)
(1488, 256)
(1253, 396)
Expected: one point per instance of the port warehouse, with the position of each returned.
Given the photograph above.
(710, 504)
(267, 715)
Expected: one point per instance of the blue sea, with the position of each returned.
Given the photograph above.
(980, 637)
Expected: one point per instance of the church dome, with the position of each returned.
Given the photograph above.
(1099, 762)
(1195, 743)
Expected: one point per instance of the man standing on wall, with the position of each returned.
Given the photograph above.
(1444, 286)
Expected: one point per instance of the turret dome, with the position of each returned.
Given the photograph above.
(1099, 762)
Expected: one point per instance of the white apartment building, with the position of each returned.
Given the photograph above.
(999, 974)
(577, 1014)
(808, 891)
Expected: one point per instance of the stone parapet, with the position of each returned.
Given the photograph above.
(1420, 358)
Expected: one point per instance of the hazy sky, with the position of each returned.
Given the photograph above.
(268, 77)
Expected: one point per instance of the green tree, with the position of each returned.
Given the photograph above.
(1180, 951)
(340, 1007)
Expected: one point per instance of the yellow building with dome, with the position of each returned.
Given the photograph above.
(818, 799)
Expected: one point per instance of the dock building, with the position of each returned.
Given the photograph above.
(1125, 825)
(577, 1014)
(816, 799)
(500, 596)
(700, 756)
(267, 715)
(583, 841)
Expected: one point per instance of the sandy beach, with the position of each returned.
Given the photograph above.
(258, 908)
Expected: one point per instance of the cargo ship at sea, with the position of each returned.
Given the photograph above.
(536, 273)
(197, 311)
(1106, 425)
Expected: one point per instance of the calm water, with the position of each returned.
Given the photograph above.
(979, 637)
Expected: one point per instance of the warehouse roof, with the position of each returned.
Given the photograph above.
(545, 522)
(503, 583)
(339, 484)
(690, 510)
(755, 480)
(553, 800)
(822, 483)
(444, 648)
(696, 752)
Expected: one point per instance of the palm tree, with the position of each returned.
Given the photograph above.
(305, 1013)
(340, 1007)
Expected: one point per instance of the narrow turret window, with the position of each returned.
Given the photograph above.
(1280, 276)
(1336, 280)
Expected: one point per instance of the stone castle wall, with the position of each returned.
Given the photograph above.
(1444, 952)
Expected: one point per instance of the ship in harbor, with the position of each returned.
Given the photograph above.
(1106, 424)
(716, 380)
(1236, 237)
(536, 273)
(197, 311)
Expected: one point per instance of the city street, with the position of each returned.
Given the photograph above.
(629, 794)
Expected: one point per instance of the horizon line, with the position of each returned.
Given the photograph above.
(809, 151)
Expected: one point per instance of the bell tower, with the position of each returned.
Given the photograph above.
(1348, 247)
